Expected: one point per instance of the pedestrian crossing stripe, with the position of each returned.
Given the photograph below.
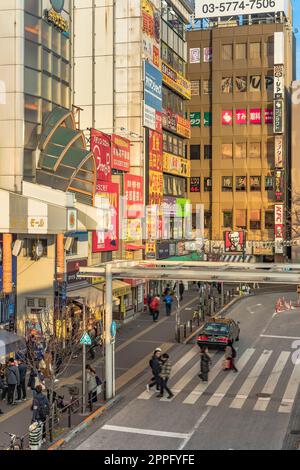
(179, 384)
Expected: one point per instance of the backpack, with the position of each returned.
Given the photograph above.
(154, 304)
(43, 408)
(168, 299)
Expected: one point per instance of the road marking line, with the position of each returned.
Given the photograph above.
(263, 402)
(217, 397)
(147, 432)
(196, 427)
(280, 337)
(176, 368)
(291, 391)
(249, 383)
(200, 389)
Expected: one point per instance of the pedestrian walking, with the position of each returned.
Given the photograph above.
(168, 301)
(155, 363)
(167, 290)
(165, 374)
(21, 389)
(2, 388)
(41, 409)
(230, 355)
(154, 308)
(91, 384)
(205, 362)
(3, 380)
(13, 381)
(181, 290)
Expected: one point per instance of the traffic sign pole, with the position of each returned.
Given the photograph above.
(109, 349)
(84, 362)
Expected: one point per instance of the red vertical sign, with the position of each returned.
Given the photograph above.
(101, 149)
(108, 240)
(134, 194)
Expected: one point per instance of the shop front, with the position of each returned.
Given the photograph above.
(138, 292)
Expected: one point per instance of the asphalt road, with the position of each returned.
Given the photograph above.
(247, 410)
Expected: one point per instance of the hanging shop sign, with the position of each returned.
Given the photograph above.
(176, 81)
(207, 54)
(269, 116)
(71, 220)
(227, 118)
(255, 116)
(155, 151)
(278, 117)
(235, 242)
(108, 238)
(278, 82)
(183, 127)
(152, 98)
(175, 123)
(156, 188)
(176, 165)
(279, 227)
(120, 149)
(241, 116)
(195, 119)
(279, 185)
(195, 55)
(54, 16)
(101, 149)
(150, 252)
(151, 33)
(195, 184)
(132, 230)
(73, 270)
(219, 8)
(134, 195)
(278, 151)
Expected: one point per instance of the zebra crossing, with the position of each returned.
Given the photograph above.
(266, 372)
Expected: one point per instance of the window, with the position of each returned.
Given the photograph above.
(42, 303)
(30, 302)
(269, 220)
(207, 219)
(255, 183)
(74, 248)
(165, 142)
(270, 48)
(269, 183)
(207, 184)
(241, 84)
(255, 83)
(241, 51)
(241, 183)
(227, 184)
(227, 219)
(241, 150)
(227, 52)
(207, 90)
(195, 152)
(270, 152)
(195, 87)
(255, 51)
(226, 150)
(255, 220)
(241, 218)
(255, 150)
(207, 152)
(227, 85)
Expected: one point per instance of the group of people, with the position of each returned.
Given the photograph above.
(153, 301)
(12, 381)
(205, 361)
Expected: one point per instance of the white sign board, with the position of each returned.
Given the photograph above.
(220, 8)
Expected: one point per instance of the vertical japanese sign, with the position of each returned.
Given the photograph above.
(279, 189)
(152, 98)
(155, 151)
(278, 117)
(279, 228)
(101, 149)
(241, 116)
(108, 238)
(278, 151)
(134, 195)
(278, 82)
(120, 153)
(255, 116)
(151, 32)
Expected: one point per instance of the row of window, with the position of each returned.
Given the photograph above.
(258, 220)
(172, 59)
(241, 183)
(171, 37)
(173, 101)
(250, 51)
(240, 84)
(173, 144)
(173, 20)
(238, 150)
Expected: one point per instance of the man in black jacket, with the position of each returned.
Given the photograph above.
(13, 380)
(41, 409)
(21, 389)
(155, 364)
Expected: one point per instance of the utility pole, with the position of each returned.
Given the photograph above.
(84, 361)
(177, 326)
(109, 346)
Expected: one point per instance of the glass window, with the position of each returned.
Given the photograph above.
(47, 87)
(32, 83)
(32, 28)
(207, 184)
(195, 152)
(227, 85)
(195, 87)
(270, 48)
(165, 142)
(255, 51)
(241, 183)
(56, 91)
(255, 183)
(207, 152)
(241, 84)
(180, 148)
(175, 146)
(55, 66)
(241, 51)
(227, 219)
(269, 183)
(207, 87)
(32, 53)
(269, 220)
(56, 40)
(241, 218)
(227, 52)
(33, 7)
(164, 52)
(255, 219)
(207, 219)
(241, 150)
(32, 109)
(31, 140)
(254, 150)
(227, 184)
(226, 150)
(47, 61)
(65, 47)
(170, 143)
(28, 164)
(47, 35)
(255, 83)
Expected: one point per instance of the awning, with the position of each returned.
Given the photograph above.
(10, 343)
(120, 288)
(132, 247)
(92, 296)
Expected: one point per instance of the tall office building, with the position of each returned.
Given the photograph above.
(241, 67)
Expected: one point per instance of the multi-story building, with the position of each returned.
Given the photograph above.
(241, 68)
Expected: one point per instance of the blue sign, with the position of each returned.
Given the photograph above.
(113, 329)
(153, 87)
(86, 339)
(57, 5)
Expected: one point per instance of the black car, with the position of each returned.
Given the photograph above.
(218, 332)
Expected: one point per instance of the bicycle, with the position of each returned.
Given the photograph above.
(14, 442)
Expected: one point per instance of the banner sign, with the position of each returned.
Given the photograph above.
(176, 165)
(101, 149)
(152, 98)
(278, 118)
(279, 228)
(151, 33)
(195, 119)
(176, 81)
(279, 186)
(169, 206)
(134, 194)
(278, 82)
(234, 242)
(255, 116)
(207, 54)
(269, 116)
(278, 151)
(120, 153)
(155, 151)
(219, 8)
(73, 270)
(227, 118)
(107, 240)
(156, 188)
(175, 123)
(150, 252)
(241, 116)
(195, 55)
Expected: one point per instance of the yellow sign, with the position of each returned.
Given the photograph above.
(176, 165)
(57, 20)
(176, 81)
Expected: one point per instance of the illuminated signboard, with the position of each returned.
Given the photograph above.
(54, 16)
(219, 8)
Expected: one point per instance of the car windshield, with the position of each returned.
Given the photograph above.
(216, 328)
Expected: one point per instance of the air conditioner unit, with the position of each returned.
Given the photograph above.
(69, 243)
(17, 247)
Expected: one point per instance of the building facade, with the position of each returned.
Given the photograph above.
(241, 68)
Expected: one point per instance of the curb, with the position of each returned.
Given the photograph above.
(85, 423)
